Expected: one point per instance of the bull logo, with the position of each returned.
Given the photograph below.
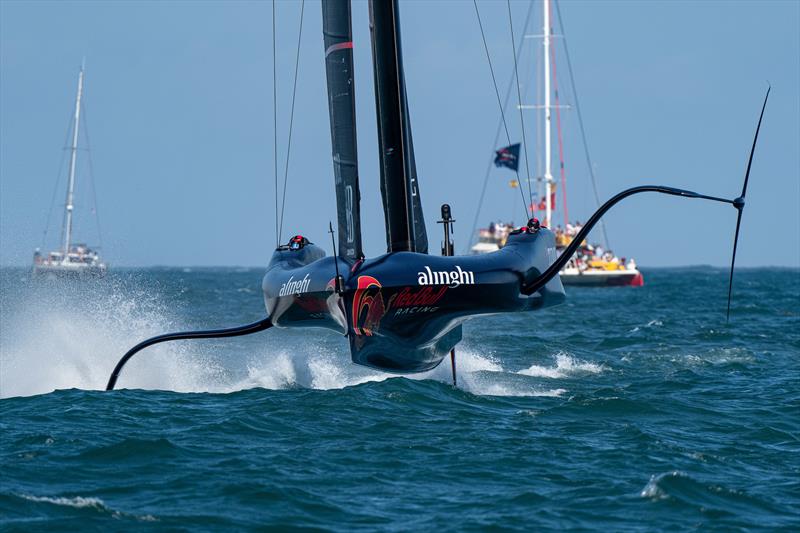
(368, 303)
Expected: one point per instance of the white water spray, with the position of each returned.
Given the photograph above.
(63, 338)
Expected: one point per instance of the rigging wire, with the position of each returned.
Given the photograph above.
(291, 117)
(538, 169)
(499, 103)
(66, 200)
(498, 131)
(519, 103)
(275, 124)
(58, 182)
(562, 170)
(580, 121)
(91, 176)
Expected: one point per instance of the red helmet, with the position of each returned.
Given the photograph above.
(297, 242)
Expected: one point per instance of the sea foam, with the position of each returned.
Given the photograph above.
(566, 366)
(62, 338)
(74, 340)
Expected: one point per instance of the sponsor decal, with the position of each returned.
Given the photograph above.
(350, 233)
(451, 278)
(369, 307)
(295, 287)
(414, 310)
(409, 302)
(425, 297)
(367, 298)
(315, 307)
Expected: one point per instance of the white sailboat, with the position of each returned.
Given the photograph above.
(72, 258)
(591, 264)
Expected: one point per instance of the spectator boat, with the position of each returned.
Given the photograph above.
(591, 264)
(71, 259)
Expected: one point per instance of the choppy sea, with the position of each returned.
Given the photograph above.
(626, 409)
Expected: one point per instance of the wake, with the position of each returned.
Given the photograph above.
(74, 341)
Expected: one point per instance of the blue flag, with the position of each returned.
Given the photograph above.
(507, 157)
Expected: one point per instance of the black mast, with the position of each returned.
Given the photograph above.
(402, 207)
(338, 35)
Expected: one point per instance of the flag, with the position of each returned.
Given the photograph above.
(507, 157)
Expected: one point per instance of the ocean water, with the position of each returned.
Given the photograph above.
(624, 409)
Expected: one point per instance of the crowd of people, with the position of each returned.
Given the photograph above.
(588, 255)
(564, 236)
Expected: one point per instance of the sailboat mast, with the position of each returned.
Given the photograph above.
(73, 157)
(548, 175)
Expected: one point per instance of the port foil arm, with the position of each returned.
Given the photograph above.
(238, 331)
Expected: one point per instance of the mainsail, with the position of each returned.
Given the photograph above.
(338, 35)
(402, 207)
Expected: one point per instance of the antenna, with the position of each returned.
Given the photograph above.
(447, 220)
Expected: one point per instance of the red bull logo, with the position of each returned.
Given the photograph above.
(367, 302)
(369, 307)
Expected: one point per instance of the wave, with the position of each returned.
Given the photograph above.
(81, 502)
(719, 356)
(706, 498)
(566, 366)
(475, 373)
(77, 501)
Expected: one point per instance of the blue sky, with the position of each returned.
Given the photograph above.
(179, 110)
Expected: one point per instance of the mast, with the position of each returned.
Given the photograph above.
(72, 160)
(338, 39)
(402, 207)
(548, 175)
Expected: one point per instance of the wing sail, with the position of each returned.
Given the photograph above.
(338, 36)
(402, 206)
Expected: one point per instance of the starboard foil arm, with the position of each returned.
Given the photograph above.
(566, 255)
(737, 203)
(237, 331)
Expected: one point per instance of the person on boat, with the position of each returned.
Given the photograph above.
(297, 242)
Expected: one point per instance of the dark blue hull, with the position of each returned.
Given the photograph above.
(402, 312)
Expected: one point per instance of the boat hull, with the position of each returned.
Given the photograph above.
(61, 271)
(602, 278)
(402, 312)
